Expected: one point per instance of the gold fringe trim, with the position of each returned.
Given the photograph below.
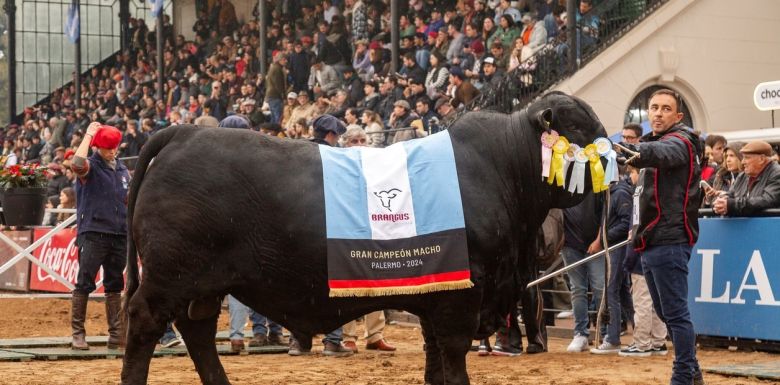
(402, 290)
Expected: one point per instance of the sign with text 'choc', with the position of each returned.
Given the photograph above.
(766, 96)
(734, 278)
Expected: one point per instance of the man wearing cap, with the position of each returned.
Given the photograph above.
(757, 188)
(492, 75)
(101, 189)
(401, 117)
(666, 225)
(461, 89)
(304, 110)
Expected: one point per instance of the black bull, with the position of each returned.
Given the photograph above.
(233, 212)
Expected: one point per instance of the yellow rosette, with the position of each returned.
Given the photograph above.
(557, 171)
(596, 169)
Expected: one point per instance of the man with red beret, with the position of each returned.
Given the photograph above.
(101, 190)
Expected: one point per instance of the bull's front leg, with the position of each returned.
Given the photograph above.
(453, 328)
(434, 369)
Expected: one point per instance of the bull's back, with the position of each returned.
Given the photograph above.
(218, 192)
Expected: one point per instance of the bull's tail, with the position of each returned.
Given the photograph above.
(151, 148)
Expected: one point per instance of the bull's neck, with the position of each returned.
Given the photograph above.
(521, 148)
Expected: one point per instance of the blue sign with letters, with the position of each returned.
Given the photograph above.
(734, 278)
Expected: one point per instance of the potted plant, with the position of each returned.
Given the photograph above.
(23, 198)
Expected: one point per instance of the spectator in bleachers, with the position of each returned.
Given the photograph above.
(472, 66)
(499, 53)
(289, 106)
(506, 9)
(493, 76)
(726, 175)
(456, 44)
(371, 98)
(374, 127)
(460, 88)
(353, 86)
(757, 188)
(505, 33)
(401, 117)
(534, 34)
(276, 86)
(423, 109)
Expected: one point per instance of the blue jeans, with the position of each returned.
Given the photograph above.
(614, 288)
(276, 106)
(334, 336)
(238, 313)
(591, 273)
(666, 272)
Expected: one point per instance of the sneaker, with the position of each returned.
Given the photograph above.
(578, 344)
(336, 350)
(659, 351)
(502, 351)
(565, 314)
(633, 351)
(175, 341)
(606, 348)
(484, 348)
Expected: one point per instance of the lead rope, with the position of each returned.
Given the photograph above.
(603, 301)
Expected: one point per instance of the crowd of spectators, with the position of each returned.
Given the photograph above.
(324, 57)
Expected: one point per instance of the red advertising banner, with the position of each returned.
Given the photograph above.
(60, 253)
(16, 278)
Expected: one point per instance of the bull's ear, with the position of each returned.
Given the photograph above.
(544, 118)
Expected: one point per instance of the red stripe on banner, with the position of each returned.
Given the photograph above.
(414, 281)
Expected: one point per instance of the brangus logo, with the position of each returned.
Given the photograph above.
(386, 197)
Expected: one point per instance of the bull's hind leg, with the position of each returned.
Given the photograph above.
(199, 338)
(145, 326)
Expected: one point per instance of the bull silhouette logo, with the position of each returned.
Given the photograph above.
(387, 196)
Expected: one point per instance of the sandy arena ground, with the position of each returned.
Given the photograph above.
(47, 317)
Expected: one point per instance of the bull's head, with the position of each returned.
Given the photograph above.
(572, 118)
(386, 196)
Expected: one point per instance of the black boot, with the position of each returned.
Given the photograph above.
(78, 314)
(113, 306)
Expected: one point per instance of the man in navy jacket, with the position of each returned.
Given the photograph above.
(668, 228)
(101, 189)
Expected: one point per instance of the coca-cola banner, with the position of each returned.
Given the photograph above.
(16, 278)
(61, 254)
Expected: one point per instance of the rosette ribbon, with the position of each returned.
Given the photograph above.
(557, 170)
(577, 181)
(548, 140)
(596, 169)
(604, 148)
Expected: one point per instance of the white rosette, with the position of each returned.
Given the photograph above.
(577, 182)
(568, 157)
(604, 148)
(548, 140)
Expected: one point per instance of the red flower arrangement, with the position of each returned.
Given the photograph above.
(23, 176)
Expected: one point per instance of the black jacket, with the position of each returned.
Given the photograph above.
(581, 223)
(669, 193)
(746, 200)
(620, 204)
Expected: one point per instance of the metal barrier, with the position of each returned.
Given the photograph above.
(23, 253)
